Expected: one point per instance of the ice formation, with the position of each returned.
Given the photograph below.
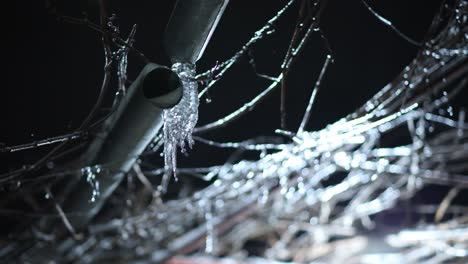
(180, 120)
(91, 173)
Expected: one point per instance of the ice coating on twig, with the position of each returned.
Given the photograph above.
(180, 120)
(91, 173)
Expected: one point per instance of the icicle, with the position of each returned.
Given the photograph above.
(180, 120)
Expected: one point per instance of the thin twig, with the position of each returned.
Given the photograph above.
(444, 205)
(44, 142)
(141, 176)
(301, 19)
(258, 35)
(64, 218)
(247, 107)
(306, 117)
(389, 24)
(95, 27)
(242, 145)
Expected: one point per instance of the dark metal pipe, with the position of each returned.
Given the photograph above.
(190, 28)
(139, 116)
(123, 138)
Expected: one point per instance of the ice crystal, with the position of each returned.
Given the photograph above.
(180, 120)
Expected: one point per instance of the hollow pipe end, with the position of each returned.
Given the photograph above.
(162, 87)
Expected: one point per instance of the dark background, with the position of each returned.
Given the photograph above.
(54, 69)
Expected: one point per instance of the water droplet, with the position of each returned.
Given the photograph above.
(263, 199)
(236, 185)
(50, 165)
(450, 110)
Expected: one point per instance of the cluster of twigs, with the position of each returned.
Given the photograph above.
(311, 199)
(116, 50)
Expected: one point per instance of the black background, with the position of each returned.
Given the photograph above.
(54, 69)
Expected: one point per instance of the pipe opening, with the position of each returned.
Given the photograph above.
(162, 87)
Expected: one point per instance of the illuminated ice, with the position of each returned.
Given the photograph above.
(180, 120)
